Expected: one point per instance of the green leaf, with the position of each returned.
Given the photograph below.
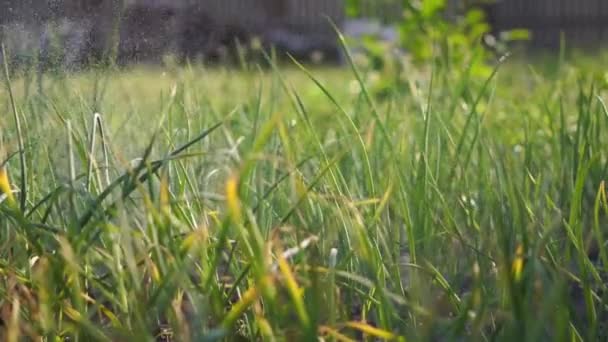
(517, 35)
(431, 7)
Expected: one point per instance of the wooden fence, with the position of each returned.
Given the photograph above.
(308, 16)
(582, 22)
(384, 10)
(152, 27)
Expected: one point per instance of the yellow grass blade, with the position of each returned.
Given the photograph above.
(164, 197)
(372, 331)
(335, 334)
(294, 290)
(247, 299)
(232, 198)
(13, 326)
(265, 328)
(5, 186)
(518, 263)
(195, 239)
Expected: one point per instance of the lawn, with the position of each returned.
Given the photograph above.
(209, 203)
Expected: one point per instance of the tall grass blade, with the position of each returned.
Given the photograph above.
(20, 135)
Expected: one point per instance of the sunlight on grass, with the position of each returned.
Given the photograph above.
(202, 204)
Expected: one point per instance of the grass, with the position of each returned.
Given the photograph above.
(292, 203)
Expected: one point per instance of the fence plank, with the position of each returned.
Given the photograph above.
(583, 22)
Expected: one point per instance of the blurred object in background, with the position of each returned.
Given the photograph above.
(77, 32)
(584, 23)
(359, 28)
(74, 33)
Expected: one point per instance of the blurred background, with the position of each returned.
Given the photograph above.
(76, 32)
